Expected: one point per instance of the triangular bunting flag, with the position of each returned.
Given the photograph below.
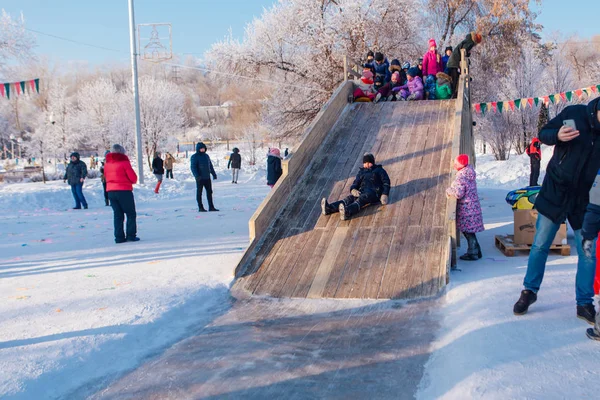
(536, 101)
(594, 89)
(563, 96)
(7, 90)
(511, 104)
(569, 95)
(478, 108)
(557, 98)
(517, 103)
(17, 88)
(530, 102)
(31, 85)
(483, 108)
(500, 106)
(579, 93)
(495, 106)
(598, 87)
(22, 83)
(2, 90)
(552, 99)
(37, 84)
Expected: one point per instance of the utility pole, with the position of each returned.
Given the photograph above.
(136, 95)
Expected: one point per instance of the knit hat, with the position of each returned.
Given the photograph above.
(369, 158)
(432, 43)
(476, 37)
(74, 154)
(448, 48)
(414, 71)
(461, 161)
(367, 74)
(406, 65)
(395, 61)
(275, 152)
(396, 76)
(378, 56)
(236, 150)
(370, 54)
(200, 145)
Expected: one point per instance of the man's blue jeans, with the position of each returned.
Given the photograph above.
(536, 265)
(77, 191)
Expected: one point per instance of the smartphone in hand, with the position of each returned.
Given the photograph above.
(570, 123)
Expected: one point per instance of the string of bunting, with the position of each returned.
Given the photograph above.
(19, 88)
(522, 104)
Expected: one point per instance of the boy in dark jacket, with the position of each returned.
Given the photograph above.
(75, 175)
(372, 184)
(564, 195)
(382, 68)
(202, 169)
(235, 163)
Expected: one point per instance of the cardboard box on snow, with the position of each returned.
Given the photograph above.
(525, 228)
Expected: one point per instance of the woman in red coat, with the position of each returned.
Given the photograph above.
(120, 178)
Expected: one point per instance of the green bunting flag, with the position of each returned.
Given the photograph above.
(536, 100)
(483, 108)
(518, 103)
(37, 84)
(500, 106)
(569, 95)
(7, 90)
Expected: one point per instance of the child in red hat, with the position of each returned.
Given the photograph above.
(469, 219)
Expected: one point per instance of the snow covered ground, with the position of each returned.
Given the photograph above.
(78, 310)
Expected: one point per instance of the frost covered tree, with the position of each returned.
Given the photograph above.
(299, 45)
(15, 42)
(97, 110)
(60, 114)
(161, 113)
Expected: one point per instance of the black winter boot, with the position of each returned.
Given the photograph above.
(522, 305)
(201, 208)
(587, 313)
(473, 251)
(326, 208)
(346, 212)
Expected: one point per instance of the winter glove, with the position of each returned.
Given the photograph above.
(215, 177)
(355, 193)
(587, 247)
(384, 199)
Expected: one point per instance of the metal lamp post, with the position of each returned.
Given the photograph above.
(136, 98)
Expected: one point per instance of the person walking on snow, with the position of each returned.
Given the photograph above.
(158, 170)
(202, 169)
(564, 195)
(535, 157)
(75, 175)
(469, 218)
(120, 178)
(371, 185)
(169, 160)
(235, 163)
(274, 170)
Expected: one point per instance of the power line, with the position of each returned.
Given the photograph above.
(75, 41)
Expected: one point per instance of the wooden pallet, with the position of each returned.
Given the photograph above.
(507, 246)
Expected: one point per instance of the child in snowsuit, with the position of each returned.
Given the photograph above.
(390, 90)
(589, 232)
(432, 64)
(365, 86)
(413, 90)
(372, 184)
(443, 86)
(469, 219)
(535, 158)
(395, 67)
(274, 170)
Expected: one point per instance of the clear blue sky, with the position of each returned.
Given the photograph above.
(199, 23)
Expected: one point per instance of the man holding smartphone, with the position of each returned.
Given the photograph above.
(575, 135)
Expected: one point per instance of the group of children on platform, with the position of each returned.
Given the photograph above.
(435, 77)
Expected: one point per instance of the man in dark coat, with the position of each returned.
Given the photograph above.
(535, 157)
(274, 170)
(564, 196)
(202, 169)
(453, 65)
(235, 163)
(371, 185)
(75, 175)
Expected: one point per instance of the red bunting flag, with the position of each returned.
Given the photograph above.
(511, 104)
(2, 89)
(32, 85)
(546, 100)
(563, 96)
(530, 102)
(478, 108)
(17, 88)
(594, 89)
(495, 106)
(579, 93)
